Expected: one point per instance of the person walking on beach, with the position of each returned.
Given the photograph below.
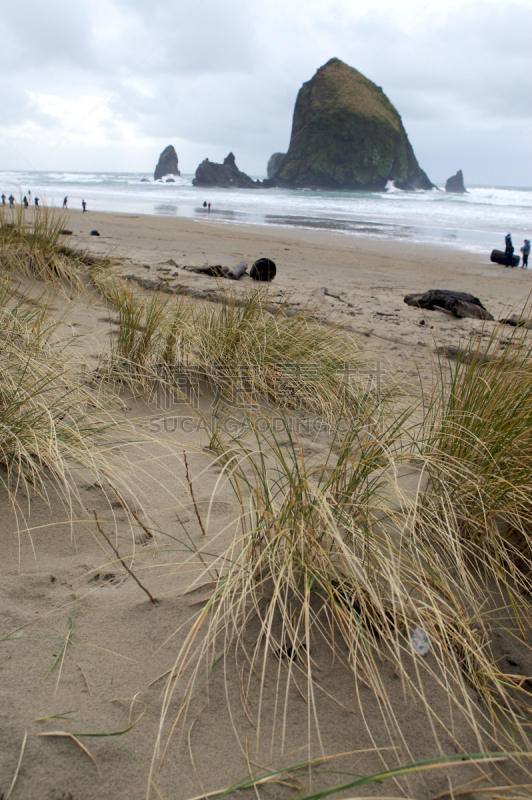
(36, 202)
(208, 206)
(11, 201)
(84, 205)
(65, 201)
(204, 204)
(526, 252)
(509, 251)
(3, 199)
(25, 201)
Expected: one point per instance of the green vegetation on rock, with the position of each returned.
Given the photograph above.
(347, 135)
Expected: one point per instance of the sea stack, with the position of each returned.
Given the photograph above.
(346, 134)
(456, 184)
(167, 164)
(275, 164)
(227, 174)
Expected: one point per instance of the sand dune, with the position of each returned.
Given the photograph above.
(65, 596)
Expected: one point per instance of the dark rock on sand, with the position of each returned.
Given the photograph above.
(455, 184)
(460, 304)
(167, 164)
(499, 257)
(227, 174)
(263, 269)
(346, 134)
(95, 233)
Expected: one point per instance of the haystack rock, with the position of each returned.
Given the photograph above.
(227, 174)
(456, 184)
(347, 135)
(167, 164)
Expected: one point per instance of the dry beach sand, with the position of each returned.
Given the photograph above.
(61, 583)
(369, 277)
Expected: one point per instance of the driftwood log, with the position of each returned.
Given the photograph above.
(499, 257)
(460, 354)
(214, 272)
(212, 295)
(218, 271)
(460, 304)
(236, 273)
(82, 255)
(262, 270)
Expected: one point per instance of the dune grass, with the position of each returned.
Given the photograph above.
(292, 776)
(478, 436)
(31, 244)
(244, 352)
(335, 556)
(247, 352)
(331, 553)
(52, 422)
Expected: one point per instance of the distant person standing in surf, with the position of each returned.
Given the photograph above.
(65, 201)
(84, 205)
(526, 252)
(509, 251)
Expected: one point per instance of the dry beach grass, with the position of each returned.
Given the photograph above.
(302, 535)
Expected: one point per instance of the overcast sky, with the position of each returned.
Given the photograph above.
(107, 84)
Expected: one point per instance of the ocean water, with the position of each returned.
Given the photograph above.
(476, 222)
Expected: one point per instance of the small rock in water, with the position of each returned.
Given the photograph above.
(456, 184)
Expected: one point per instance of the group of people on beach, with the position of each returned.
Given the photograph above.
(509, 251)
(26, 200)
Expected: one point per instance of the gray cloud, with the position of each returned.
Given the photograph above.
(216, 76)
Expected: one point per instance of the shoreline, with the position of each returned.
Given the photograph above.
(467, 223)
